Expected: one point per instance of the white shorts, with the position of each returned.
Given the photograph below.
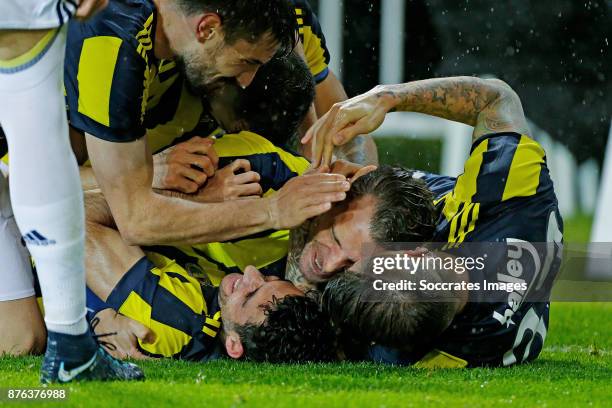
(16, 279)
(35, 14)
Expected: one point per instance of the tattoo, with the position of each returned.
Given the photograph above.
(459, 99)
(352, 151)
(488, 105)
(501, 116)
(360, 150)
(297, 241)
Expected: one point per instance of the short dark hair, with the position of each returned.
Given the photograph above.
(409, 320)
(278, 99)
(295, 331)
(250, 19)
(404, 205)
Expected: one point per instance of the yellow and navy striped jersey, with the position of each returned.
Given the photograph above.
(266, 250)
(505, 195)
(183, 313)
(117, 90)
(505, 191)
(174, 290)
(313, 40)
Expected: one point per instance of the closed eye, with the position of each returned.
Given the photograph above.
(249, 296)
(333, 231)
(252, 62)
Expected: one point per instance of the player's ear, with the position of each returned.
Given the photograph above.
(208, 27)
(233, 345)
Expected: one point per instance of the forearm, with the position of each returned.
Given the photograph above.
(155, 219)
(488, 105)
(144, 217)
(460, 99)
(176, 194)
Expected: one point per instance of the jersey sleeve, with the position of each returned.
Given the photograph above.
(505, 174)
(311, 34)
(502, 167)
(106, 81)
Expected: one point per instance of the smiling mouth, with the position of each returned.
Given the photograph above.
(230, 284)
(317, 268)
(312, 268)
(235, 285)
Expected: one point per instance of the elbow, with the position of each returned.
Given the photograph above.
(134, 232)
(130, 237)
(133, 221)
(502, 89)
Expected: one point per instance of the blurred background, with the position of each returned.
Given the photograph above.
(555, 54)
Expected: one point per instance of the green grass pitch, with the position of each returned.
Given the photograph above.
(575, 369)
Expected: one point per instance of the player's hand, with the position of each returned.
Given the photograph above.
(124, 342)
(352, 171)
(88, 8)
(226, 185)
(186, 166)
(305, 197)
(346, 120)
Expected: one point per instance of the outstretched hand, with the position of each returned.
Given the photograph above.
(346, 120)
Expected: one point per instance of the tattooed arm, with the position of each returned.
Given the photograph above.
(488, 105)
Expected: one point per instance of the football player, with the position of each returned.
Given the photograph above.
(163, 55)
(46, 197)
(180, 293)
(505, 195)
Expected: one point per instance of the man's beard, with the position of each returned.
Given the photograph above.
(197, 80)
(198, 70)
(298, 239)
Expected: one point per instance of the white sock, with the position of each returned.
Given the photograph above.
(45, 186)
(53, 236)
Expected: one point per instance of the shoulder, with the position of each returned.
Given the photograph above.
(127, 20)
(508, 165)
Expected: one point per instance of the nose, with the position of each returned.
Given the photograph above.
(336, 260)
(245, 79)
(252, 278)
